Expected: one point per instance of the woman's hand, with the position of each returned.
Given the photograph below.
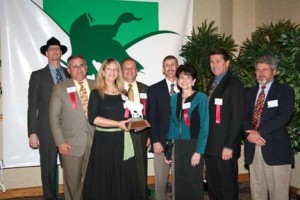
(195, 160)
(122, 124)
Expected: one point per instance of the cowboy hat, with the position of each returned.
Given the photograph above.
(53, 41)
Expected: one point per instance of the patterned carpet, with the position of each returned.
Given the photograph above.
(243, 188)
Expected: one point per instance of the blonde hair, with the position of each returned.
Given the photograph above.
(100, 84)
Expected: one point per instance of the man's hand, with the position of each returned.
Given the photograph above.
(255, 137)
(195, 159)
(64, 149)
(226, 154)
(34, 141)
(158, 148)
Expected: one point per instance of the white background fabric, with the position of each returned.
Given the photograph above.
(25, 28)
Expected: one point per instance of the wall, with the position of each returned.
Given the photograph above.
(236, 17)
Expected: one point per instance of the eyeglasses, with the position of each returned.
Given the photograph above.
(264, 70)
(78, 66)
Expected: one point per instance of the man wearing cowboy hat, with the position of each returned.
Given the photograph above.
(39, 132)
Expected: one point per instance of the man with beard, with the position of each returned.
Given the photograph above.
(159, 110)
(268, 150)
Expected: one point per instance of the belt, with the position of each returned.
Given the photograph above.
(107, 129)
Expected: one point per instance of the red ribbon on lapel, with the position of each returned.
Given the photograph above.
(186, 117)
(218, 114)
(144, 102)
(73, 100)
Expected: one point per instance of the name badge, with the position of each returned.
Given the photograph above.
(218, 101)
(124, 97)
(186, 105)
(273, 103)
(71, 89)
(143, 95)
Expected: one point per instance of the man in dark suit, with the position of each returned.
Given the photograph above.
(140, 139)
(268, 150)
(72, 133)
(39, 132)
(226, 111)
(159, 110)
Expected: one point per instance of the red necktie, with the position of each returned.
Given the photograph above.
(258, 108)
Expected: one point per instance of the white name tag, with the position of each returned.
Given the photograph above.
(186, 105)
(143, 95)
(71, 89)
(218, 101)
(273, 103)
(124, 97)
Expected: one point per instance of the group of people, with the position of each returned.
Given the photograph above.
(84, 122)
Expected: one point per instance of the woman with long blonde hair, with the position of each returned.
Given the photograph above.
(111, 173)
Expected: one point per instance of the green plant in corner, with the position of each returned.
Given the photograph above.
(281, 40)
(196, 50)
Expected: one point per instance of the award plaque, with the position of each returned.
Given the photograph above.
(137, 124)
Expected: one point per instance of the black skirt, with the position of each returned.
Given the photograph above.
(188, 179)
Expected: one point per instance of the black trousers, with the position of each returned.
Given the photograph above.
(222, 178)
(48, 161)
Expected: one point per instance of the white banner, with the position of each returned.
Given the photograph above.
(25, 27)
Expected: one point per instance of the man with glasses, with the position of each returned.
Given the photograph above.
(268, 150)
(39, 132)
(72, 132)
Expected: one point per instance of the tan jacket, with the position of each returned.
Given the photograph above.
(69, 124)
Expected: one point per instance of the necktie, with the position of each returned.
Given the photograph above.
(130, 93)
(212, 88)
(83, 97)
(258, 108)
(59, 77)
(172, 90)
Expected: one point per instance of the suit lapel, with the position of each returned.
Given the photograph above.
(272, 90)
(220, 88)
(70, 83)
(48, 76)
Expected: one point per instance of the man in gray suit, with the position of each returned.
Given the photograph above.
(39, 132)
(70, 128)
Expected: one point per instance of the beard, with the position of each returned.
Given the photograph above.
(263, 80)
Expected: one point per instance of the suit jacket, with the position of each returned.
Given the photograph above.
(69, 125)
(198, 129)
(159, 110)
(140, 138)
(39, 93)
(273, 124)
(227, 132)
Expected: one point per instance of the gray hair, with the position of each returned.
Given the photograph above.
(269, 60)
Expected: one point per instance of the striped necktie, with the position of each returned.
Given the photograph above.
(212, 88)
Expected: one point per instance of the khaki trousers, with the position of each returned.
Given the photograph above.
(161, 173)
(266, 179)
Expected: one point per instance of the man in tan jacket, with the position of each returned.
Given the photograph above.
(70, 128)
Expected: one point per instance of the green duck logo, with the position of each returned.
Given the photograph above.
(97, 41)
